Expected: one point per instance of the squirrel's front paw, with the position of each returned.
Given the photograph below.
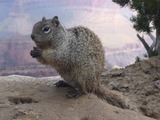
(36, 53)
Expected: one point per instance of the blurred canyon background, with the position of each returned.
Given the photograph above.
(109, 21)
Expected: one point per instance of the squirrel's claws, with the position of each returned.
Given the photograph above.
(35, 53)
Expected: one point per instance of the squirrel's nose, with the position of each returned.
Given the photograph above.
(32, 36)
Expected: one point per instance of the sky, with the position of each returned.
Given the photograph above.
(104, 17)
(108, 20)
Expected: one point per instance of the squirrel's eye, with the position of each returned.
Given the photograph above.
(46, 29)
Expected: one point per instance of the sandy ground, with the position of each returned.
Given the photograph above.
(28, 98)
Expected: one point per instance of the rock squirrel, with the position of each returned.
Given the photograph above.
(77, 55)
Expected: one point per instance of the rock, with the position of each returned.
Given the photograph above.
(141, 84)
(117, 73)
(28, 98)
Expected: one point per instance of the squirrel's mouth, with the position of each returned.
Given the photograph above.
(38, 43)
(34, 38)
(42, 45)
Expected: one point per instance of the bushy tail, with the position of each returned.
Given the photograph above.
(114, 98)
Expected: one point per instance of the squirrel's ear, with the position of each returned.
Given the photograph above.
(55, 21)
(43, 19)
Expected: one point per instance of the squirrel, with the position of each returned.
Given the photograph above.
(77, 55)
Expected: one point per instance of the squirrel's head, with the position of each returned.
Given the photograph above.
(44, 31)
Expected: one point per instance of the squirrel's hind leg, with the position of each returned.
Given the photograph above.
(62, 83)
(75, 91)
(74, 94)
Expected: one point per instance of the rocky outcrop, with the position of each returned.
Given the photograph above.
(28, 98)
(140, 82)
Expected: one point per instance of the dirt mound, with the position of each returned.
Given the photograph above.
(140, 82)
